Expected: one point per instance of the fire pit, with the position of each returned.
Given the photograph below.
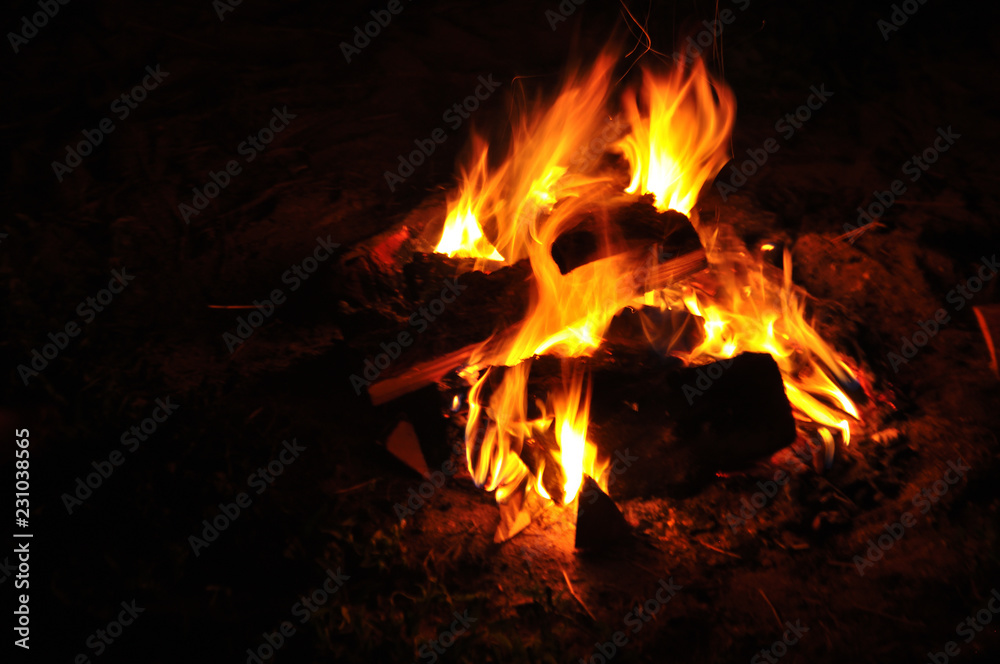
(637, 325)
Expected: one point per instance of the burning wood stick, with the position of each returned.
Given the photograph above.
(635, 226)
(677, 269)
(426, 373)
(420, 375)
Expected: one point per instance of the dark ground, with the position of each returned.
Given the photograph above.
(333, 507)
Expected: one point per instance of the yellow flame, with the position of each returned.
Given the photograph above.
(462, 234)
(513, 197)
(681, 125)
(572, 414)
(515, 207)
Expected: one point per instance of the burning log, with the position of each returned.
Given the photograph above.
(736, 410)
(683, 424)
(425, 373)
(418, 376)
(639, 225)
(393, 283)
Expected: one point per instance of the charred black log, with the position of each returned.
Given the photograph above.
(638, 225)
(394, 298)
(480, 311)
(668, 429)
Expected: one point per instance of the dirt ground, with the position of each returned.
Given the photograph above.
(710, 592)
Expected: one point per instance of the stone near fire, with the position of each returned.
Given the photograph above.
(599, 523)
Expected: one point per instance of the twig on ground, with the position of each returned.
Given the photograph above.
(773, 610)
(575, 596)
(718, 550)
(357, 486)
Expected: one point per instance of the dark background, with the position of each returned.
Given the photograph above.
(323, 175)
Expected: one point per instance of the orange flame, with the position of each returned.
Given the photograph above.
(680, 137)
(679, 128)
(462, 235)
(753, 311)
(571, 418)
(513, 198)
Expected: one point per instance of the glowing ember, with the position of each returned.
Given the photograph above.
(679, 129)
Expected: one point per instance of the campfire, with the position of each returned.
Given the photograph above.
(572, 331)
(632, 306)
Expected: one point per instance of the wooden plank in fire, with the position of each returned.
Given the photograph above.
(419, 375)
(432, 371)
